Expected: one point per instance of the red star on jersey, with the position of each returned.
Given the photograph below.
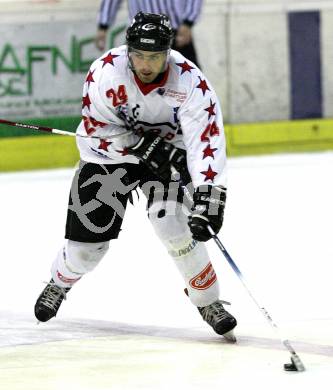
(123, 152)
(109, 59)
(210, 109)
(86, 101)
(210, 174)
(208, 152)
(90, 78)
(203, 86)
(185, 67)
(104, 145)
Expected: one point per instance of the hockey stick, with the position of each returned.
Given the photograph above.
(294, 357)
(57, 131)
(296, 363)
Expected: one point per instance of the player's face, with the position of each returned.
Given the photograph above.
(148, 64)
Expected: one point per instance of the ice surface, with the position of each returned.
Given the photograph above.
(128, 324)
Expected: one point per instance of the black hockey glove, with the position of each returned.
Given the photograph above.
(208, 208)
(158, 155)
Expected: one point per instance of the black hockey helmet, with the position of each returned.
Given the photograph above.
(151, 32)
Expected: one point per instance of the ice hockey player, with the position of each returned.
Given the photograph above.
(146, 108)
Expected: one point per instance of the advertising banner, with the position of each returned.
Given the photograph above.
(43, 66)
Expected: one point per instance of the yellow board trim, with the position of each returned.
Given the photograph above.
(27, 153)
(279, 137)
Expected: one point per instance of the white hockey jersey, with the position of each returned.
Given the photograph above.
(183, 108)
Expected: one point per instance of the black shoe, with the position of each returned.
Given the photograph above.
(218, 318)
(49, 301)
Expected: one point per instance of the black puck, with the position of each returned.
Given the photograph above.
(290, 367)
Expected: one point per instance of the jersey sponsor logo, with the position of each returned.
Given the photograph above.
(180, 97)
(204, 279)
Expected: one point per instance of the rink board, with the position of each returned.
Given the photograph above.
(53, 151)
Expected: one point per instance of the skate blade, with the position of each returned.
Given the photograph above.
(230, 336)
